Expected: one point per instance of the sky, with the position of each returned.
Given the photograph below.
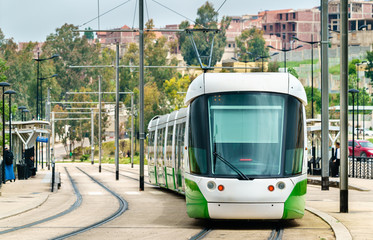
(34, 20)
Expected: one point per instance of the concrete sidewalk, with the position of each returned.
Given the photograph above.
(359, 219)
(24, 195)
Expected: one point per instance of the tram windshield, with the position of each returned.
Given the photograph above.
(258, 134)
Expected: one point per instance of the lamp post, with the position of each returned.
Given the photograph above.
(284, 50)
(364, 89)
(10, 92)
(41, 92)
(21, 108)
(262, 57)
(3, 85)
(357, 96)
(38, 60)
(25, 111)
(353, 92)
(245, 61)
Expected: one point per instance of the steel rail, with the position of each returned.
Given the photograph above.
(74, 206)
(123, 206)
(203, 233)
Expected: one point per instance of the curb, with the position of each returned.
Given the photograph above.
(340, 231)
(27, 209)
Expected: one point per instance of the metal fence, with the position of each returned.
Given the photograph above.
(360, 167)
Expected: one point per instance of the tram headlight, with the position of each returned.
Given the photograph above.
(211, 185)
(281, 185)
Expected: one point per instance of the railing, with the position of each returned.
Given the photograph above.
(360, 167)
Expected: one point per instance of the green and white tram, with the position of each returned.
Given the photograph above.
(238, 151)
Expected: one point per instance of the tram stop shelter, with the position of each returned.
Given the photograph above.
(25, 135)
(314, 135)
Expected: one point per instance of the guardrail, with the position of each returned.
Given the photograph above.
(360, 167)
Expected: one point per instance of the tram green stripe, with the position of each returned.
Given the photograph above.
(173, 177)
(196, 203)
(165, 176)
(295, 204)
(155, 174)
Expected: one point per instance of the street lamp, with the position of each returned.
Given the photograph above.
(353, 92)
(364, 89)
(3, 85)
(245, 61)
(357, 102)
(38, 60)
(21, 108)
(10, 92)
(284, 50)
(262, 57)
(41, 92)
(25, 111)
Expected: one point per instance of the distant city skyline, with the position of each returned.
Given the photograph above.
(34, 20)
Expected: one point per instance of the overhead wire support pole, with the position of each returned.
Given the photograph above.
(99, 124)
(92, 139)
(117, 113)
(132, 130)
(141, 88)
(324, 97)
(343, 208)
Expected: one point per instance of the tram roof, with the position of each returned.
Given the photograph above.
(207, 83)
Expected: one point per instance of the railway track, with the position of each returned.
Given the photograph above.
(74, 206)
(123, 206)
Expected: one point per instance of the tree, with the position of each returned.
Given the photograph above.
(273, 66)
(207, 17)
(369, 67)
(251, 44)
(175, 89)
(293, 72)
(73, 50)
(2, 38)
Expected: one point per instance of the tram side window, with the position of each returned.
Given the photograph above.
(151, 147)
(294, 138)
(169, 146)
(160, 146)
(198, 144)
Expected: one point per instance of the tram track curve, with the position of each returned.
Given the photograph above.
(73, 207)
(123, 206)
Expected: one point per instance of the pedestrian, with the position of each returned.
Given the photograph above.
(9, 170)
(336, 160)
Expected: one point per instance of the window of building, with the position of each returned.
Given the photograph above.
(265, 28)
(287, 17)
(283, 36)
(293, 26)
(280, 16)
(293, 15)
(271, 27)
(229, 45)
(283, 26)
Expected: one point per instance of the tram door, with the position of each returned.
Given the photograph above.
(179, 154)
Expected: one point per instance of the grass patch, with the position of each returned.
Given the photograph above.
(293, 64)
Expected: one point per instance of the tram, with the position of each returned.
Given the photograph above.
(238, 150)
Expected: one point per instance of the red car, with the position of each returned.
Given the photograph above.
(363, 148)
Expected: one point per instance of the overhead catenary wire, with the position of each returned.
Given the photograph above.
(147, 9)
(134, 16)
(221, 6)
(175, 12)
(105, 13)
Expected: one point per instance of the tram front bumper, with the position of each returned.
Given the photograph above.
(246, 210)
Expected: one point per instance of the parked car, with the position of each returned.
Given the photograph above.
(368, 132)
(363, 148)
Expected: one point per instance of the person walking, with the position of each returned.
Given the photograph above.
(9, 170)
(336, 160)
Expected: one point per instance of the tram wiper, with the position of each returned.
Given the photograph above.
(240, 174)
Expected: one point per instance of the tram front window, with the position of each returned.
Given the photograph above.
(247, 130)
